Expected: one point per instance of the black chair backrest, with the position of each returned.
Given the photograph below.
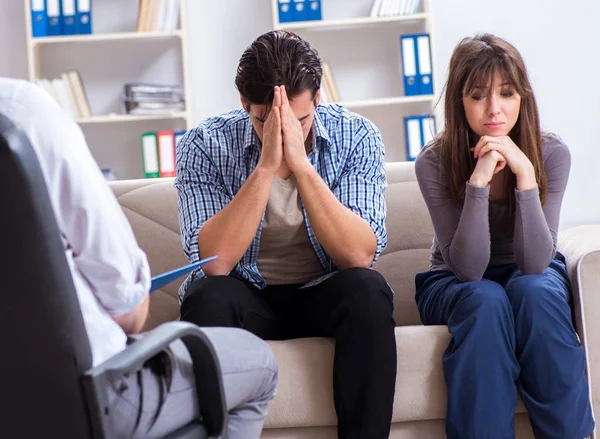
(44, 344)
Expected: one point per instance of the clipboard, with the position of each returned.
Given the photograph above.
(166, 278)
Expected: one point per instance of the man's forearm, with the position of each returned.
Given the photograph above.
(345, 236)
(230, 232)
(133, 322)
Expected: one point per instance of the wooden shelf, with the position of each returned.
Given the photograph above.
(104, 37)
(110, 118)
(350, 22)
(399, 100)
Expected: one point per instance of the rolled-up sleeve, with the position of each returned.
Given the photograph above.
(362, 184)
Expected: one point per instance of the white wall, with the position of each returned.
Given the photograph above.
(543, 30)
(13, 56)
(219, 32)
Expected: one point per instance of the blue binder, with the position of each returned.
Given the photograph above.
(314, 10)
(300, 10)
(408, 44)
(168, 277)
(68, 11)
(53, 17)
(84, 16)
(178, 136)
(428, 128)
(425, 76)
(419, 131)
(414, 136)
(38, 18)
(285, 11)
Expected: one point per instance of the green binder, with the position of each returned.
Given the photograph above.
(150, 155)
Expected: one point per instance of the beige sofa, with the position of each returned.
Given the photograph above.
(304, 407)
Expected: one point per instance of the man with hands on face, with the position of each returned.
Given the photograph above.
(290, 195)
(493, 184)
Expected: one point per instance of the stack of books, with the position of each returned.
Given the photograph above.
(152, 99)
(394, 8)
(158, 15)
(69, 93)
(329, 90)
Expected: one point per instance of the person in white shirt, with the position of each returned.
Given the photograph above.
(112, 279)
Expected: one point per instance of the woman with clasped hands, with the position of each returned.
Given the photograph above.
(493, 184)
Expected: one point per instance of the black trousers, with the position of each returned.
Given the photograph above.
(354, 306)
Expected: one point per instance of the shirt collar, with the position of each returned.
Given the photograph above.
(320, 130)
(250, 136)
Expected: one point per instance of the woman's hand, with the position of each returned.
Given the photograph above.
(487, 166)
(516, 160)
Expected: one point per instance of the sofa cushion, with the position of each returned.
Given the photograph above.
(400, 430)
(410, 233)
(408, 222)
(305, 389)
(403, 281)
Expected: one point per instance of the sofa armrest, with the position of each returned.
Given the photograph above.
(209, 383)
(581, 247)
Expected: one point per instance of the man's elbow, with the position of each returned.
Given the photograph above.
(134, 321)
(219, 267)
(358, 260)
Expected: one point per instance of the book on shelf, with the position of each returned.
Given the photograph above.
(328, 84)
(139, 98)
(394, 8)
(68, 91)
(158, 15)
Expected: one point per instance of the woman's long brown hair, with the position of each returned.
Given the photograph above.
(474, 62)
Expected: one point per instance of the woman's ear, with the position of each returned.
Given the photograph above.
(317, 98)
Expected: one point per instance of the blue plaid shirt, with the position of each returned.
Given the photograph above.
(215, 158)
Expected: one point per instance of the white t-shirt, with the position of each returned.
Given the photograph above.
(109, 270)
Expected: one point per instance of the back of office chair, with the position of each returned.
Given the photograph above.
(43, 341)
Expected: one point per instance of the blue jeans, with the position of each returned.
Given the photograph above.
(509, 332)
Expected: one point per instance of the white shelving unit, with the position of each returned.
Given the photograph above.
(124, 153)
(364, 103)
(104, 37)
(349, 22)
(111, 118)
(364, 55)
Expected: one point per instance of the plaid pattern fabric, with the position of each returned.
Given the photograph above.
(215, 158)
